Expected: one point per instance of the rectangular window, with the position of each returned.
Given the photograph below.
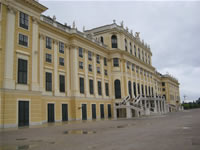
(24, 20)
(116, 62)
(80, 52)
(105, 72)
(99, 88)
(91, 86)
(98, 70)
(61, 47)
(80, 64)
(48, 58)
(81, 85)
(90, 67)
(48, 81)
(22, 71)
(61, 61)
(48, 42)
(127, 63)
(163, 83)
(89, 55)
(105, 61)
(62, 83)
(23, 40)
(98, 59)
(163, 89)
(133, 67)
(107, 89)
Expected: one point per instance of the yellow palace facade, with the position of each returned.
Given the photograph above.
(50, 72)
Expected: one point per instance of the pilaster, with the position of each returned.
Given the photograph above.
(9, 82)
(35, 84)
(86, 73)
(41, 62)
(56, 80)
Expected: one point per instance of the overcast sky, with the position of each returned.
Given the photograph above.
(171, 28)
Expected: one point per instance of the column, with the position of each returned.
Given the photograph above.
(95, 76)
(9, 82)
(86, 73)
(111, 82)
(35, 84)
(56, 80)
(102, 77)
(41, 62)
(128, 110)
(155, 106)
(158, 106)
(67, 66)
(74, 71)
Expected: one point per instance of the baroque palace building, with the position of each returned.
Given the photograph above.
(52, 72)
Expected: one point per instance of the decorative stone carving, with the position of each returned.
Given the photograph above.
(11, 9)
(114, 21)
(54, 18)
(35, 20)
(122, 24)
(73, 25)
(137, 35)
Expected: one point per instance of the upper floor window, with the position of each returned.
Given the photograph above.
(99, 88)
(91, 86)
(101, 38)
(61, 61)
(80, 52)
(107, 89)
(142, 56)
(133, 67)
(163, 83)
(62, 83)
(80, 64)
(90, 67)
(48, 58)
(98, 70)
(48, 81)
(81, 85)
(131, 48)
(22, 71)
(89, 55)
(23, 20)
(98, 59)
(127, 64)
(139, 53)
(61, 47)
(23, 40)
(105, 61)
(105, 72)
(48, 42)
(114, 41)
(135, 50)
(126, 48)
(115, 62)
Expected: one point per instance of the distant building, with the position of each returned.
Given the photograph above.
(53, 72)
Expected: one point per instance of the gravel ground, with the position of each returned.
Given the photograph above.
(173, 131)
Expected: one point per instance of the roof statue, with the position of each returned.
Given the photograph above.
(137, 35)
(122, 23)
(73, 25)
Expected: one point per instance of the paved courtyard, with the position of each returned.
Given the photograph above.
(174, 131)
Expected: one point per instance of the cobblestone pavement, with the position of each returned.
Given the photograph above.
(173, 131)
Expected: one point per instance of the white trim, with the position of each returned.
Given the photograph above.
(17, 110)
(22, 52)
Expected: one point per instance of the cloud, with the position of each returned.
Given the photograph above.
(171, 28)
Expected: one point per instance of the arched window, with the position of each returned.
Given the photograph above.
(131, 48)
(129, 88)
(117, 89)
(101, 38)
(138, 86)
(142, 90)
(125, 41)
(134, 89)
(114, 41)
